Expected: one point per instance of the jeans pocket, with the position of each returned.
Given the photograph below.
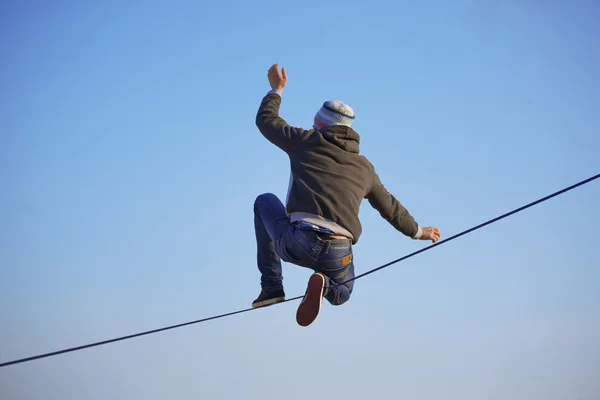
(286, 253)
(293, 252)
(336, 268)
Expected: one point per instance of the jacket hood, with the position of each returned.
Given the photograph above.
(342, 136)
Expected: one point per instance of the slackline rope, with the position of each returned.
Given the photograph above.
(543, 199)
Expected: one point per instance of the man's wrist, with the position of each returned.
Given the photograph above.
(418, 234)
(277, 91)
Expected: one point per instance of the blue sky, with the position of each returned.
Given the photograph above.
(130, 162)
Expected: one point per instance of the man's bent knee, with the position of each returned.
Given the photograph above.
(265, 197)
(337, 302)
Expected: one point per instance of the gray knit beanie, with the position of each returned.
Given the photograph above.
(334, 112)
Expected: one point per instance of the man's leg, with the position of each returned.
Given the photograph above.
(335, 265)
(336, 292)
(270, 222)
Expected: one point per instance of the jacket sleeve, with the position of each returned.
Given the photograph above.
(391, 209)
(274, 128)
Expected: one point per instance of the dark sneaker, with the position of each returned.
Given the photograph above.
(266, 299)
(309, 309)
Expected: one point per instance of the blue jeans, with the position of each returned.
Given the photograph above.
(278, 239)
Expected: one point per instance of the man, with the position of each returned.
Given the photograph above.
(319, 225)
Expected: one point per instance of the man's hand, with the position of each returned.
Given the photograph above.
(430, 233)
(276, 79)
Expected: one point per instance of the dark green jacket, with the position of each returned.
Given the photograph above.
(330, 178)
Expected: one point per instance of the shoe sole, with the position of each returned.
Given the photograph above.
(309, 309)
(268, 302)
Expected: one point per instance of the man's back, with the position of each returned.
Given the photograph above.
(329, 177)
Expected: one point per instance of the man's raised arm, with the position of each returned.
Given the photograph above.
(268, 121)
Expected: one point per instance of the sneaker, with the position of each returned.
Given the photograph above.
(309, 308)
(267, 299)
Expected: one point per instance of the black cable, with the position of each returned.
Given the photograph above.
(55, 353)
(491, 221)
(22, 360)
